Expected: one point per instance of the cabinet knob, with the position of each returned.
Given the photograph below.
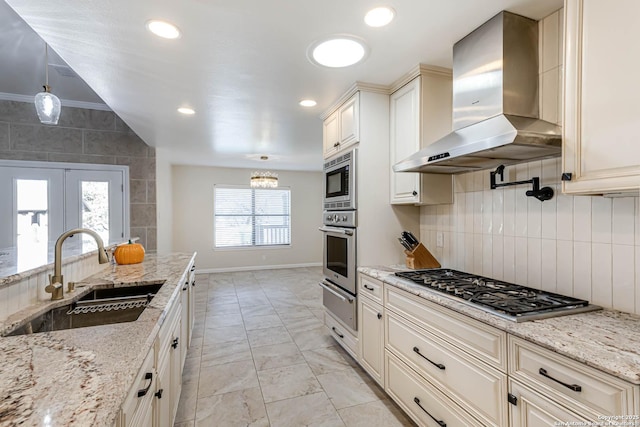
(379, 316)
(415, 193)
(174, 343)
(158, 394)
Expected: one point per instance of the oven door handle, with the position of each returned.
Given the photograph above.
(330, 289)
(337, 230)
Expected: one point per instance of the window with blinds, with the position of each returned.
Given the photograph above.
(246, 217)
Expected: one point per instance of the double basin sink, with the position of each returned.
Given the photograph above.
(98, 307)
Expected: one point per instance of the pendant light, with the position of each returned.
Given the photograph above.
(264, 179)
(47, 104)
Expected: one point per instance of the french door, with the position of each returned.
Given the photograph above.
(41, 200)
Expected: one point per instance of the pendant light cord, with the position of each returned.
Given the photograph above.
(46, 65)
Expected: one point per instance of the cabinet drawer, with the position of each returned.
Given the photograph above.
(370, 287)
(482, 341)
(478, 388)
(575, 385)
(341, 334)
(425, 404)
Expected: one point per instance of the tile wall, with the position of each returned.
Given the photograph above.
(583, 246)
(86, 136)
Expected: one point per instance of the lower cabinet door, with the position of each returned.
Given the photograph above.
(425, 404)
(163, 394)
(371, 338)
(531, 409)
(137, 409)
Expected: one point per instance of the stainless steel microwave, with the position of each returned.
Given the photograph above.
(340, 181)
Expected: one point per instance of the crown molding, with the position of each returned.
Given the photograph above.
(65, 102)
(356, 87)
(419, 70)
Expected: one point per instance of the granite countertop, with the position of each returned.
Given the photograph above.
(82, 376)
(607, 340)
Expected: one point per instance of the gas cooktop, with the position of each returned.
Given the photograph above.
(507, 300)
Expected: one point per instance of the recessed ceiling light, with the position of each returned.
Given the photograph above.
(338, 51)
(163, 29)
(308, 103)
(186, 111)
(379, 17)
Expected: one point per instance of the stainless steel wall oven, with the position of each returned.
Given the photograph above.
(339, 265)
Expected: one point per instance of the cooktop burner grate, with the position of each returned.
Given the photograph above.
(514, 301)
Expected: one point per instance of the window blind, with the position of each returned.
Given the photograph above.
(251, 217)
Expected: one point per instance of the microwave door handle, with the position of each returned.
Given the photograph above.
(326, 286)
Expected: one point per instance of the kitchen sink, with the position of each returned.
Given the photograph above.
(99, 307)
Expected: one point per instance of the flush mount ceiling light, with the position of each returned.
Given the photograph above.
(186, 111)
(163, 29)
(379, 17)
(338, 51)
(47, 104)
(308, 103)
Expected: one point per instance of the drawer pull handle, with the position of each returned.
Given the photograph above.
(437, 365)
(368, 288)
(574, 387)
(333, 328)
(440, 422)
(144, 391)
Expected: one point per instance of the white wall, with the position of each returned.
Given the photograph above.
(192, 188)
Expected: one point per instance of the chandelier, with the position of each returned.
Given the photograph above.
(264, 179)
(47, 104)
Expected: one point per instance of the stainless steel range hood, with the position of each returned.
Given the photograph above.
(495, 103)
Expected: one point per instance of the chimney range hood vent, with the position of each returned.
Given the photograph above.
(495, 103)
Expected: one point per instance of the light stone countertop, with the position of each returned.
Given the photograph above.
(82, 376)
(607, 340)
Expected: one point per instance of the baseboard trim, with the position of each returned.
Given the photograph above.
(255, 267)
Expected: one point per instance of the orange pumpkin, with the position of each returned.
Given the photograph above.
(129, 253)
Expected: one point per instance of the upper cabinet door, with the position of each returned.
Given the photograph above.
(349, 122)
(330, 141)
(601, 147)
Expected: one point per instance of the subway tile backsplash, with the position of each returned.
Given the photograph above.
(582, 246)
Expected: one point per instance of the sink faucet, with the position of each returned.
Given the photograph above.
(56, 282)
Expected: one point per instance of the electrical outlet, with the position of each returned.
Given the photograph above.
(439, 239)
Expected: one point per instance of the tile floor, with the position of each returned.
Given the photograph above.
(261, 356)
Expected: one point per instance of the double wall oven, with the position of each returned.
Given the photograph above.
(339, 238)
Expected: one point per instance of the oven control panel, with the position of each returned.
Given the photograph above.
(339, 218)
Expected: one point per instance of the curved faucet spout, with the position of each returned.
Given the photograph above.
(56, 281)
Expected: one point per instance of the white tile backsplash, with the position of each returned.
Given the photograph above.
(588, 246)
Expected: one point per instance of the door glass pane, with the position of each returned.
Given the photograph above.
(32, 222)
(95, 211)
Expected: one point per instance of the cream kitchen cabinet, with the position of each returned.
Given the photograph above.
(341, 129)
(371, 329)
(420, 113)
(137, 409)
(601, 146)
(343, 335)
(169, 368)
(585, 392)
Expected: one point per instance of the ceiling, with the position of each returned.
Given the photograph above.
(241, 64)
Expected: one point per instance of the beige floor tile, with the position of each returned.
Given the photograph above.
(311, 410)
(238, 408)
(277, 356)
(317, 337)
(287, 382)
(225, 378)
(269, 336)
(218, 300)
(214, 309)
(222, 320)
(257, 310)
(224, 334)
(219, 354)
(189, 423)
(296, 312)
(328, 359)
(262, 322)
(187, 404)
(304, 323)
(346, 388)
(379, 413)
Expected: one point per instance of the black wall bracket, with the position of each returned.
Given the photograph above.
(542, 194)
